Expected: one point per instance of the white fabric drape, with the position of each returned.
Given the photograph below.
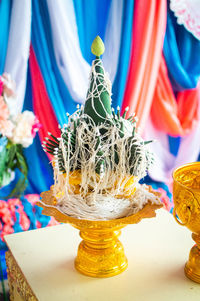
(18, 50)
(73, 67)
(189, 149)
(165, 162)
(113, 38)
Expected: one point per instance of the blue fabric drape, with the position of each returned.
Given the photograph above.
(181, 50)
(91, 19)
(174, 143)
(56, 88)
(5, 10)
(43, 46)
(40, 175)
(87, 14)
(88, 28)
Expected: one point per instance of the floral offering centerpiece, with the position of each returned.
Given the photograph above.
(98, 161)
(17, 131)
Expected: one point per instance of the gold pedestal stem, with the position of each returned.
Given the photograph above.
(192, 267)
(100, 254)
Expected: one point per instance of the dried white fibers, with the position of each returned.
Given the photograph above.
(99, 158)
(106, 207)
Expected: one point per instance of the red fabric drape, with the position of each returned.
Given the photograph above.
(176, 117)
(147, 40)
(41, 103)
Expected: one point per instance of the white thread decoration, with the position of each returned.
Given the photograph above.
(112, 192)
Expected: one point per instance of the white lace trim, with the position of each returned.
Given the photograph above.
(188, 14)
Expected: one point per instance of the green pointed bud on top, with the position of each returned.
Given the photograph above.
(98, 102)
(97, 47)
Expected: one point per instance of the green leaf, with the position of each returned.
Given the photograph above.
(19, 187)
(21, 163)
(22, 166)
(5, 178)
(11, 153)
(3, 156)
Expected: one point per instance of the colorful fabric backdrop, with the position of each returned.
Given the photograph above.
(153, 64)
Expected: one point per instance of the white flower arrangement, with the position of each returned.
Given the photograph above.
(17, 131)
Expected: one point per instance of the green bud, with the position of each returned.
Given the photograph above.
(97, 47)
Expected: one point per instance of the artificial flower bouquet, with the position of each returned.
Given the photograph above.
(17, 131)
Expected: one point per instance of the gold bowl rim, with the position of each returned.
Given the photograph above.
(183, 167)
(49, 209)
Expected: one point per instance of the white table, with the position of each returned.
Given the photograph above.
(156, 248)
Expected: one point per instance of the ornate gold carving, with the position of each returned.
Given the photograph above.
(100, 254)
(186, 196)
(48, 205)
(16, 279)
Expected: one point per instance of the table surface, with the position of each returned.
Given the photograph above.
(156, 248)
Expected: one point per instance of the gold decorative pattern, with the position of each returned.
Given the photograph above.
(16, 279)
(100, 254)
(101, 257)
(186, 196)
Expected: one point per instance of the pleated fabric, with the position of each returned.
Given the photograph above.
(41, 103)
(147, 41)
(17, 55)
(40, 174)
(181, 51)
(162, 90)
(119, 83)
(5, 11)
(180, 114)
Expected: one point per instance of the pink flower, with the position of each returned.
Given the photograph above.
(24, 221)
(8, 85)
(53, 222)
(1, 86)
(38, 224)
(12, 203)
(3, 204)
(32, 198)
(7, 229)
(35, 127)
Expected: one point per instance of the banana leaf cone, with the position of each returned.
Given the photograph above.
(98, 103)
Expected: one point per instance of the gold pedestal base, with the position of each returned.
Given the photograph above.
(100, 254)
(192, 267)
(186, 196)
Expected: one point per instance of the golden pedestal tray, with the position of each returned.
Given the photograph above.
(186, 196)
(100, 253)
